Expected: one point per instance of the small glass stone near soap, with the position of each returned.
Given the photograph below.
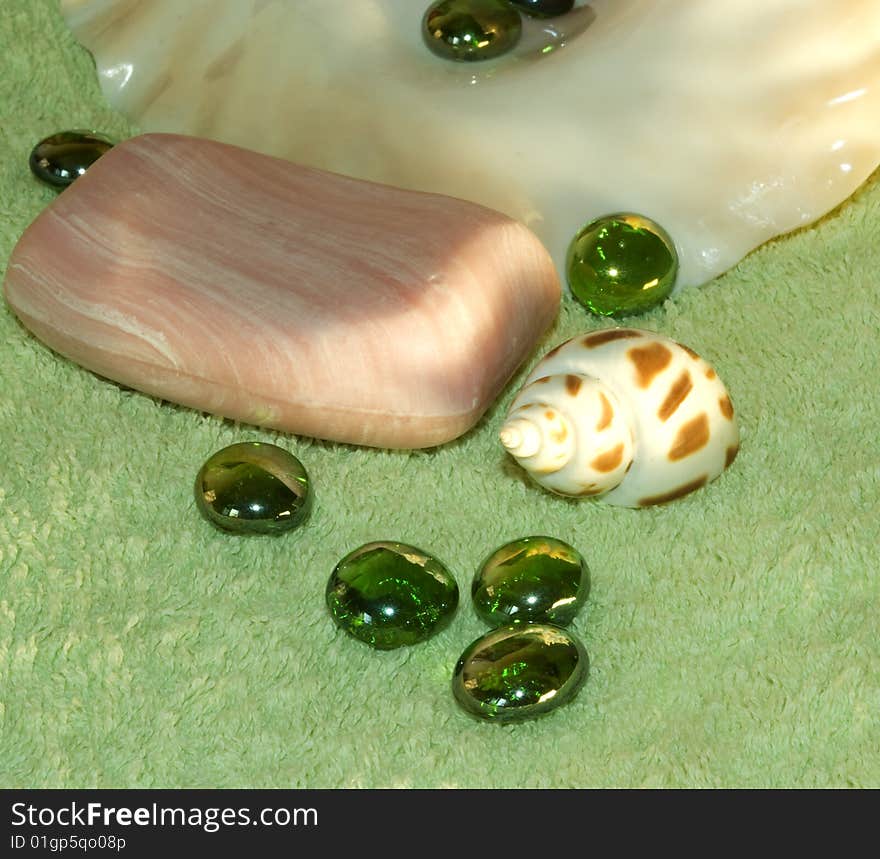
(533, 579)
(621, 265)
(543, 8)
(62, 158)
(390, 594)
(469, 30)
(253, 488)
(520, 671)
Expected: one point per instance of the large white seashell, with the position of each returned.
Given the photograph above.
(728, 122)
(623, 413)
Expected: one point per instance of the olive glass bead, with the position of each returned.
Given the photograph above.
(253, 488)
(389, 594)
(532, 579)
(621, 265)
(63, 157)
(519, 672)
(468, 30)
(543, 8)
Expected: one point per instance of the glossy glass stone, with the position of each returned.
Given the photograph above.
(253, 488)
(61, 158)
(389, 594)
(533, 579)
(621, 265)
(543, 8)
(469, 30)
(520, 671)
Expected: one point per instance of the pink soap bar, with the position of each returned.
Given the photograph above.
(282, 296)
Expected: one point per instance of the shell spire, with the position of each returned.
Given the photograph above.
(520, 437)
(567, 432)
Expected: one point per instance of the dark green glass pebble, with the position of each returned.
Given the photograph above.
(61, 158)
(532, 579)
(520, 671)
(469, 30)
(621, 265)
(543, 8)
(253, 488)
(389, 594)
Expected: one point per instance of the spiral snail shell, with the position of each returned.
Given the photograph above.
(623, 413)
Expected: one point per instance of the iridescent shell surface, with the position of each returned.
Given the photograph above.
(728, 122)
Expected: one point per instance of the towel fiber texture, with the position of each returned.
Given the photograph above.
(733, 634)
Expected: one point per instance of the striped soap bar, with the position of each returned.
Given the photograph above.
(282, 296)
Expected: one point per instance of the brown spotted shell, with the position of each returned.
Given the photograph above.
(623, 413)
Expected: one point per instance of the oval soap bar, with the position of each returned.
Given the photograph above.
(278, 295)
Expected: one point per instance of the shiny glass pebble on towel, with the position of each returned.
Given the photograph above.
(532, 579)
(389, 594)
(543, 8)
(63, 157)
(253, 488)
(469, 30)
(519, 672)
(621, 265)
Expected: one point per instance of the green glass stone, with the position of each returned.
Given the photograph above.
(390, 594)
(533, 579)
(543, 8)
(61, 158)
(253, 488)
(621, 265)
(469, 30)
(520, 671)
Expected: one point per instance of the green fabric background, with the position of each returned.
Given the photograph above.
(733, 634)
